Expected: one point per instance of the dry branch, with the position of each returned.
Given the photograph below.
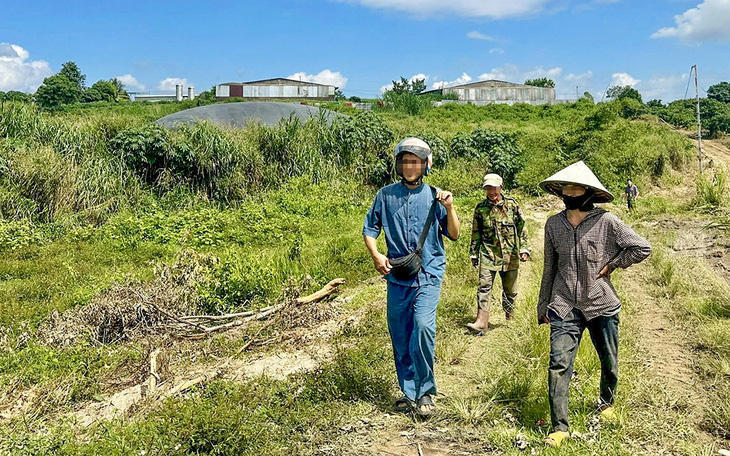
(154, 378)
(190, 383)
(262, 314)
(327, 290)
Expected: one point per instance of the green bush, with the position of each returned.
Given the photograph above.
(145, 150)
(499, 149)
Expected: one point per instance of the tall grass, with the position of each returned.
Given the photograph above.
(711, 190)
(90, 163)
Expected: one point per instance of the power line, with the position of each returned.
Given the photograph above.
(689, 78)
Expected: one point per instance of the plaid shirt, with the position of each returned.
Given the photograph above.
(575, 256)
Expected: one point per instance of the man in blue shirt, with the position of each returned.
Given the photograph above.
(401, 210)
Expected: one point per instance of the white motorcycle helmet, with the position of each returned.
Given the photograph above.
(420, 149)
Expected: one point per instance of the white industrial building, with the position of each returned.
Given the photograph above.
(275, 89)
(177, 97)
(501, 92)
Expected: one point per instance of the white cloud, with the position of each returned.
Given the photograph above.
(513, 73)
(665, 88)
(496, 51)
(17, 73)
(496, 9)
(623, 79)
(168, 84)
(710, 20)
(387, 87)
(326, 77)
(479, 36)
(463, 79)
(131, 83)
(579, 78)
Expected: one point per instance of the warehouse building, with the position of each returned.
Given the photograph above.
(166, 97)
(493, 91)
(275, 89)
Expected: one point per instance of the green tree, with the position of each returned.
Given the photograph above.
(56, 91)
(107, 89)
(541, 82)
(339, 95)
(418, 86)
(404, 86)
(91, 95)
(120, 92)
(403, 96)
(621, 92)
(14, 95)
(73, 73)
(719, 92)
(715, 116)
(654, 104)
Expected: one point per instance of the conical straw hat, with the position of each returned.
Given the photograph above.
(577, 174)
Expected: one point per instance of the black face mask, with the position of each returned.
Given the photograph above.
(581, 202)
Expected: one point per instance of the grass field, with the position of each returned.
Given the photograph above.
(95, 199)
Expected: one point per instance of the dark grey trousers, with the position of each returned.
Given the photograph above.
(509, 289)
(565, 336)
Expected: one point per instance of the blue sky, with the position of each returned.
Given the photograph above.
(361, 45)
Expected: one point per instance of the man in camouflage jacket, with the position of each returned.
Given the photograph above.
(498, 245)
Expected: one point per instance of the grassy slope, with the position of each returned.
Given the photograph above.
(495, 386)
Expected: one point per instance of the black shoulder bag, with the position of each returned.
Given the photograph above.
(407, 266)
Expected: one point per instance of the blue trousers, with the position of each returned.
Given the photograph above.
(565, 338)
(412, 326)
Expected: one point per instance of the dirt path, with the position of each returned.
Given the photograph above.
(716, 150)
(663, 340)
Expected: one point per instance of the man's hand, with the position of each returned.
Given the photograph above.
(524, 256)
(445, 198)
(382, 265)
(605, 272)
(475, 261)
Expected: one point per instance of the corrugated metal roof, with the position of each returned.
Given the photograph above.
(283, 81)
(490, 84)
(277, 81)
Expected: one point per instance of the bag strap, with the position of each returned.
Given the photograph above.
(429, 220)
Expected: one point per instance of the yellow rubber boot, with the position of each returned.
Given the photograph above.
(556, 438)
(609, 414)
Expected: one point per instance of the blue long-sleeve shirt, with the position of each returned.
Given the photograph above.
(401, 213)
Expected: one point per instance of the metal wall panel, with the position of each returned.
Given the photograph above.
(509, 95)
(274, 91)
(236, 91)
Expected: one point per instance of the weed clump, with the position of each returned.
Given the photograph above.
(132, 309)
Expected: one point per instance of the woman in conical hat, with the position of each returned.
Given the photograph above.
(583, 245)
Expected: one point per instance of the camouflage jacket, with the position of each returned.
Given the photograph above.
(498, 235)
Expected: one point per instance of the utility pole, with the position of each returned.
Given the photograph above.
(699, 121)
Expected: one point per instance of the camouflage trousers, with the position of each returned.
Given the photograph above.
(509, 288)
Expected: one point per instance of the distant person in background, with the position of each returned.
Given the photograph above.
(498, 245)
(414, 217)
(583, 246)
(632, 193)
